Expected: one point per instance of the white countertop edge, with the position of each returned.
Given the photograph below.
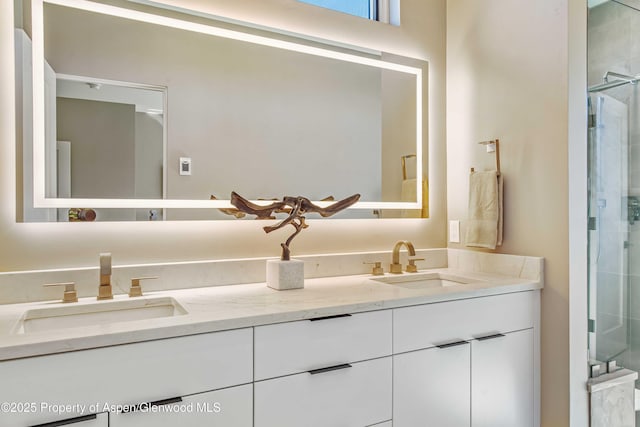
(205, 321)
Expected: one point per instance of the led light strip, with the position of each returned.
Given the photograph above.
(40, 199)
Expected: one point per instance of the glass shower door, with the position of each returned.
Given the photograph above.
(608, 228)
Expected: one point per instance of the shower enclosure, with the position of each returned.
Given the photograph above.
(614, 182)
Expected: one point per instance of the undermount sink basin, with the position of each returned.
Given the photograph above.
(425, 280)
(97, 313)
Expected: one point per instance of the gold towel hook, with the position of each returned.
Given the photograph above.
(492, 146)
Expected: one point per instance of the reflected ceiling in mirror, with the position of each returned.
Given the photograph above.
(260, 115)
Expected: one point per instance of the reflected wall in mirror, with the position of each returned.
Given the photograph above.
(257, 119)
(110, 141)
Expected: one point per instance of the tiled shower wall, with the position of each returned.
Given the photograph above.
(614, 40)
(614, 45)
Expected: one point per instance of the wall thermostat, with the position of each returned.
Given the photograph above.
(185, 165)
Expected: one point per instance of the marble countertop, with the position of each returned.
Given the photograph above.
(238, 306)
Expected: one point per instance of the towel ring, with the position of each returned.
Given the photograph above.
(492, 146)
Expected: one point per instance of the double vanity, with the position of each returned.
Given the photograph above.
(455, 344)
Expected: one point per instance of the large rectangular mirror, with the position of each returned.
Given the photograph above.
(138, 111)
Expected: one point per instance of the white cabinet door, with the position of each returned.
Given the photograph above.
(502, 380)
(354, 395)
(224, 408)
(431, 388)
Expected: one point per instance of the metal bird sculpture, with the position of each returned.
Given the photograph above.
(295, 207)
(239, 214)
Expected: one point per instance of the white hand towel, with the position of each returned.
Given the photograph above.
(484, 228)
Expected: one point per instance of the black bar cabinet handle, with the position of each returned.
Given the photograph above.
(490, 337)
(68, 421)
(329, 317)
(452, 344)
(166, 401)
(329, 369)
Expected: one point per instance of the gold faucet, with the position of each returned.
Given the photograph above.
(377, 269)
(104, 290)
(396, 267)
(136, 289)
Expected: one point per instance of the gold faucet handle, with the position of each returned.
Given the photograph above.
(377, 269)
(411, 267)
(70, 294)
(136, 290)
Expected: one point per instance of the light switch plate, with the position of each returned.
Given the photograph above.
(185, 165)
(454, 231)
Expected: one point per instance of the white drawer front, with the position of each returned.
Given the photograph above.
(428, 325)
(131, 373)
(352, 397)
(224, 408)
(57, 418)
(289, 348)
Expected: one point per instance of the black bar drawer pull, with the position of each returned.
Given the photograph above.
(490, 337)
(139, 406)
(452, 344)
(68, 421)
(166, 401)
(329, 317)
(329, 369)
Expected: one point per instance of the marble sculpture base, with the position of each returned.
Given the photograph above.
(284, 275)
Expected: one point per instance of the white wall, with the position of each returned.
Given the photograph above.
(507, 78)
(422, 35)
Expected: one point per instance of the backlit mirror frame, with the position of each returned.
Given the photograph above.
(39, 175)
